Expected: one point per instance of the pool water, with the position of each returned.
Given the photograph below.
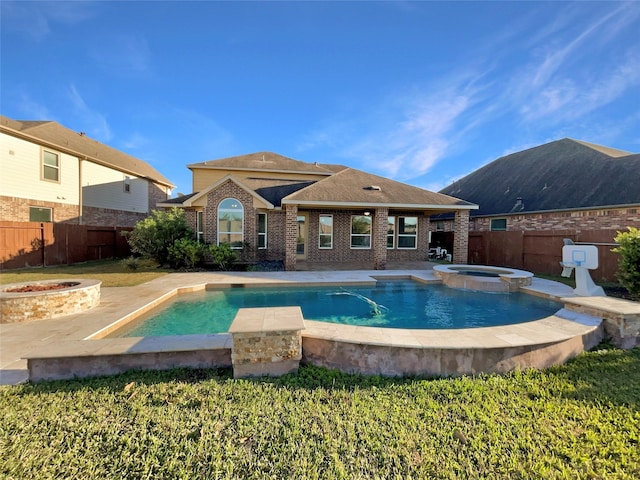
(389, 304)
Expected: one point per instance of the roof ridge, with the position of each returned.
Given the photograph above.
(609, 151)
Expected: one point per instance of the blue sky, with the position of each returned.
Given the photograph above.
(421, 92)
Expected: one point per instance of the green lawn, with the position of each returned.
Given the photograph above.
(112, 273)
(581, 420)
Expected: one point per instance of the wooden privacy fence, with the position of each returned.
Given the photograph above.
(30, 244)
(541, 251)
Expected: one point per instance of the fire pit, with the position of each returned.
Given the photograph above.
(21, 302)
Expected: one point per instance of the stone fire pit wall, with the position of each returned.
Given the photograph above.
(76, 295)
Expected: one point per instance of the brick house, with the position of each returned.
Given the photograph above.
(294, 211)
(563, 185)
(53, 174)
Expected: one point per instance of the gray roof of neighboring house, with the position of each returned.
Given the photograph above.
(268, 161)
(351, 186)
(61, 138)
(561, 175)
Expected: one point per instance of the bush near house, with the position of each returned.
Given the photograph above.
(629, 264)
(156, 234)
(166, 238)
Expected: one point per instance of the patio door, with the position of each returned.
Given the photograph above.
(301, 244)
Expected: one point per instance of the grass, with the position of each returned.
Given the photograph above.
(580, 420)
(112, 273)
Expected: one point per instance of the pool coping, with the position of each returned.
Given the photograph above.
(68, 336)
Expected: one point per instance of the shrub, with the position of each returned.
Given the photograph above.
(153, 236)
(629, 265)
(221, 256)
(131, 263)
(186, 253)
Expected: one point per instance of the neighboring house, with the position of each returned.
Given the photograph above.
(289, 210)
(563, 185)
(53, 174)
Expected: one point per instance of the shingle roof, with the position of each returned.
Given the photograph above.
(564, 174)
(179, 200)
(268, 161)
(274, 190)
(64, 139)
(355, 187)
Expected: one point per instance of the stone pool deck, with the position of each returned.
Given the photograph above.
(63, 342)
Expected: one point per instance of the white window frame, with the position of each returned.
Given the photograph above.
(407, 235)
(365, 236)
(262, 235)
(221, 209)
(391, 222)
(41, 209)
(321, 234)
(200, 225)
(44, 166)
(126, 184)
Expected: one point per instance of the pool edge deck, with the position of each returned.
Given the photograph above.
(50, 338)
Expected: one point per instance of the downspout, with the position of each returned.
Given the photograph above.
(80, 206)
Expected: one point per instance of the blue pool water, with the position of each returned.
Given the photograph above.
(397, 304)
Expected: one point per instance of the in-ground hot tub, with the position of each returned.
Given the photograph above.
(485, 278)
(21, 302)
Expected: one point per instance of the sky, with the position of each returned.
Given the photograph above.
(420, 92)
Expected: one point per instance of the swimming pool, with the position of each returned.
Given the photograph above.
(403, 304)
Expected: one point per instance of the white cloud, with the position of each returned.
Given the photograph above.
(94, 123)
(32, 109)
(126, 54)
(37, 20)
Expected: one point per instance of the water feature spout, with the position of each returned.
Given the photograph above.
(376, 308)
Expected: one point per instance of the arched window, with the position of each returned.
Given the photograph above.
(231, 223)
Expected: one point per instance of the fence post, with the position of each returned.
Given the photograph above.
(42, 244)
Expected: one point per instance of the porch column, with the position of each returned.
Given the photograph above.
(380, 238)
(461, 237)
(290, 237)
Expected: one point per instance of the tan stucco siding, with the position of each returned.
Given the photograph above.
(203, 178)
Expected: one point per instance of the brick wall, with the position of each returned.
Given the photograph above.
(603, 219)
(13, 209)
(290, 236)
(461, 242)
(157, 194)
(230, 190)
(379, 241)
(110, 217)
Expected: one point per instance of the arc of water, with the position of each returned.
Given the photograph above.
(378, 309)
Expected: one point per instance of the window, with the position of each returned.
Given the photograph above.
(326, 232)
(126, 185)
(407, 232)
(498, 224)
(40, 214)
(230, 223)
(391, 232)
(360, 231)
(262, 230)
(200, 226)
(439, 226)
(50, 166)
